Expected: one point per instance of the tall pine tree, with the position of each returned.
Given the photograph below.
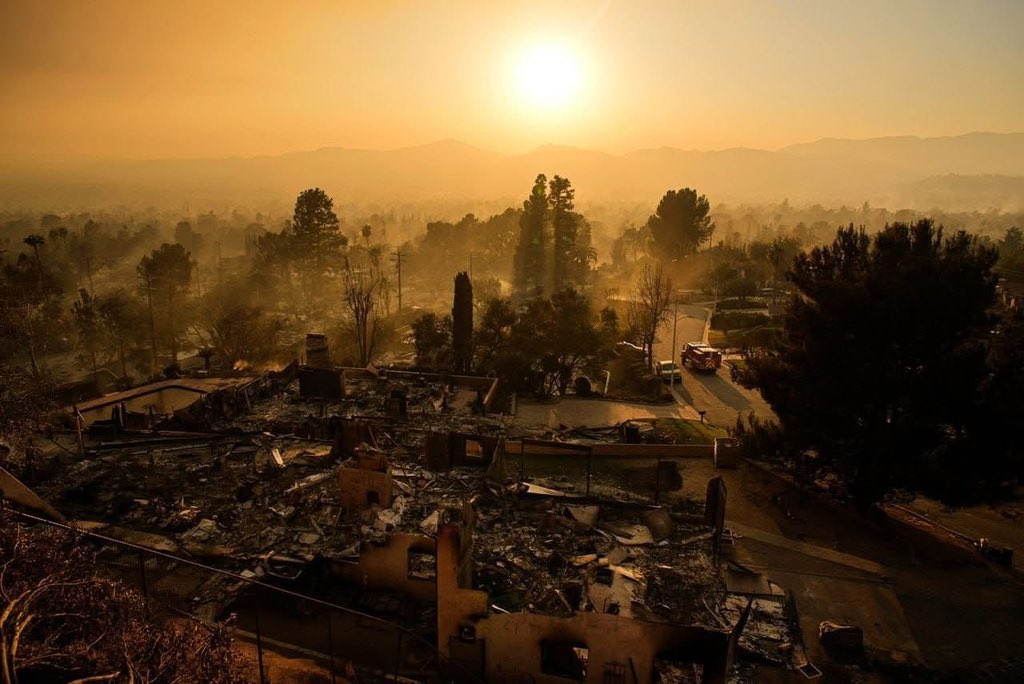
(462, 323)
(563, 221)
(881, 357)
(530, 253)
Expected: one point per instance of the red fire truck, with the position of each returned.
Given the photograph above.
(701, 357)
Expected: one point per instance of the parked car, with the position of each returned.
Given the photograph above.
(668, 371)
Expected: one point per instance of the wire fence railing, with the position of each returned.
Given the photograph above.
(275, 617)
(576, 470)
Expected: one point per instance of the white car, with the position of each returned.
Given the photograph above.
(629, 345)
(668, 371)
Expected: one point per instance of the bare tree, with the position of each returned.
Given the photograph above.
(648, 306)
(235, 330)
(376, 254)
(20, 322)
(63, 619)
(361, 297)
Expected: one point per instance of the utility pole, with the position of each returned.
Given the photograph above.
(675, 319)
(398, 263)
(711, 262)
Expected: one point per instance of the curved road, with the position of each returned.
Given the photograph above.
(716, 394)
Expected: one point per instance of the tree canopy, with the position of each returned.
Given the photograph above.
(314, 222)
(233, 328)
(462, 323)
(1011, 253)
(543, 345)
(681, 223)
(167, 274)
(881, 357)
(563, 222)
(530, 257)
(432, 337)
(315, 239)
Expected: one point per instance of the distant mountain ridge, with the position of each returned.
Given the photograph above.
(826, 171)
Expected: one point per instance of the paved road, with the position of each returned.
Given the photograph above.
(716, 394)
(689, 328)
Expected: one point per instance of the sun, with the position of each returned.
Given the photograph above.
(549, 76)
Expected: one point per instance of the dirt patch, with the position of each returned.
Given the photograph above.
(282, 669)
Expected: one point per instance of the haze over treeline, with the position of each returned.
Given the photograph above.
(975, 171)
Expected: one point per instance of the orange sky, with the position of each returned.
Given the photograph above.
(206, 78)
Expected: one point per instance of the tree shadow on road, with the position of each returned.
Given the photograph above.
(682, 393)
(724, 392)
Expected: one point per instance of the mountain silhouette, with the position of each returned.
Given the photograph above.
(917, 172)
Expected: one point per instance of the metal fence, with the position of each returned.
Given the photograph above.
(573, 468)
(272, 617)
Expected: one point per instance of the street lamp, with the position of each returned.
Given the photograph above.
(675, 321)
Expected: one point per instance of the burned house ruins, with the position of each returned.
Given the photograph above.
(402, 498)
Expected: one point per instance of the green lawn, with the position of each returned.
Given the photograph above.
(739, 363)
(689, 431)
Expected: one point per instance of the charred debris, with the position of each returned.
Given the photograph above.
(350, 483)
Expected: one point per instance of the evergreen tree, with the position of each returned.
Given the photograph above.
(316, 237)
(315, 226)
(432, 336)
(582, 254)
(529, 263)
(564, 223)
(681, 224)
(881, 356)
(462, 323)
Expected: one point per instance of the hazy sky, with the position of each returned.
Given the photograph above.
(140, 78)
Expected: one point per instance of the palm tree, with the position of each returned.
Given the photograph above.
(367, 230)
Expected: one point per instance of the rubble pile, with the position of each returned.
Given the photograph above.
(549, 554)
(430, 492)
(234, 499)
(420, 496)
(353, 491)
(289, 412)
(770, 634)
